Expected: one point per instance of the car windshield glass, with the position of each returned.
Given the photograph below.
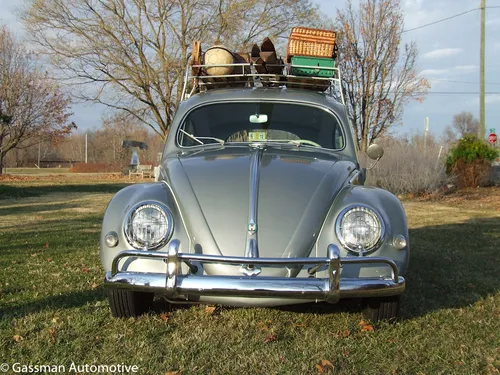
(261, 122)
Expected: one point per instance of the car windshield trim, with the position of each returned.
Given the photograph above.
(327, 109)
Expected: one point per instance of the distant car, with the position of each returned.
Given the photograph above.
(260, 202)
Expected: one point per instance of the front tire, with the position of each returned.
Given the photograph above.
(382, 309)
(126, 303)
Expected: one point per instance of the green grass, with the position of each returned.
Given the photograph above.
(44, 188)
(36, 171)
(53, 307)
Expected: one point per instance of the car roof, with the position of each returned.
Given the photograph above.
(263, 93)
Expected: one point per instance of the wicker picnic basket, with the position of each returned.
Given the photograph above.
(305, 41)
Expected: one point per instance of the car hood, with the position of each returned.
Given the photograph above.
(296, 187)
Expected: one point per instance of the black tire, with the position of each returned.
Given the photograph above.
(126, 303)
(382, 309)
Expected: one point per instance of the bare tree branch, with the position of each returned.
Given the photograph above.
(32, 107)
(378, 78)
(131, 54)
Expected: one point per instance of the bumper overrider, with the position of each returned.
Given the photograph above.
(177, 286)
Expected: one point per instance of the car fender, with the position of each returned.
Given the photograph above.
(118, 209)
(392, 213)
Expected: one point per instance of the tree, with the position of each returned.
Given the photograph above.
(449, 135)
(379, 77)
(32, 107)
(465, 123)
(131, 54)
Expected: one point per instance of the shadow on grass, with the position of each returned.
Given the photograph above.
(36, 208)
(8, 191)
(451, 266)
(62, 301)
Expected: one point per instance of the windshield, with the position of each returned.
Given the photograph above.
(261, 122)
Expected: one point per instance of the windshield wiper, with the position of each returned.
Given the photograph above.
(295, 142)
(213, 138)
(198, 139)
(191, 136)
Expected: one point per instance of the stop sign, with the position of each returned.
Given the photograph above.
(492, 138)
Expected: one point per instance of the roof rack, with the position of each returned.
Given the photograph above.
(246, 75)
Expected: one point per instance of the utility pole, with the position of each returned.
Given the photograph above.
(86, 148)
(482, 124)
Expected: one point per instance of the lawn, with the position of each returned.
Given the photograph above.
(54, 310)
(36, 171)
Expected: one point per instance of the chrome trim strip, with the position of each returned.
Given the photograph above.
(330, 289)
(255, 159)
(334, 274)
(173, 265)
(270, 262)
(252, 247)
(241, 286)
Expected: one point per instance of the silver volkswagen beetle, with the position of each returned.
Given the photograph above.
(260, 202)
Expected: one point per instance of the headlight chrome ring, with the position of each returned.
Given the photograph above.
(360, 229)
(148, 225)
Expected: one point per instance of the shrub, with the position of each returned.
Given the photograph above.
(409, 168)
(469, 161)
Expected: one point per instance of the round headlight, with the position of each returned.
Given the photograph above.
(359, 229)
(148, 226)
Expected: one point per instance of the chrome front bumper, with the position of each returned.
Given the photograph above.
(177, 286)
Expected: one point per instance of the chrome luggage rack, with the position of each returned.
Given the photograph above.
(246, 75)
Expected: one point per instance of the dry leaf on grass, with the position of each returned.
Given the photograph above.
(52, 333)
(46, 245)
(345, 333)
(85, 270)
(17, 338)
(210, 309)
(270, 338)
(94, 285)
(263, 326)
(342, 334)
(173, 373)
(365, 327)
(324, 366)
(164, 317)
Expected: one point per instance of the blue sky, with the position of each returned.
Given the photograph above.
(449, 58)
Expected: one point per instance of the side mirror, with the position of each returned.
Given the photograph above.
(375, 151)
